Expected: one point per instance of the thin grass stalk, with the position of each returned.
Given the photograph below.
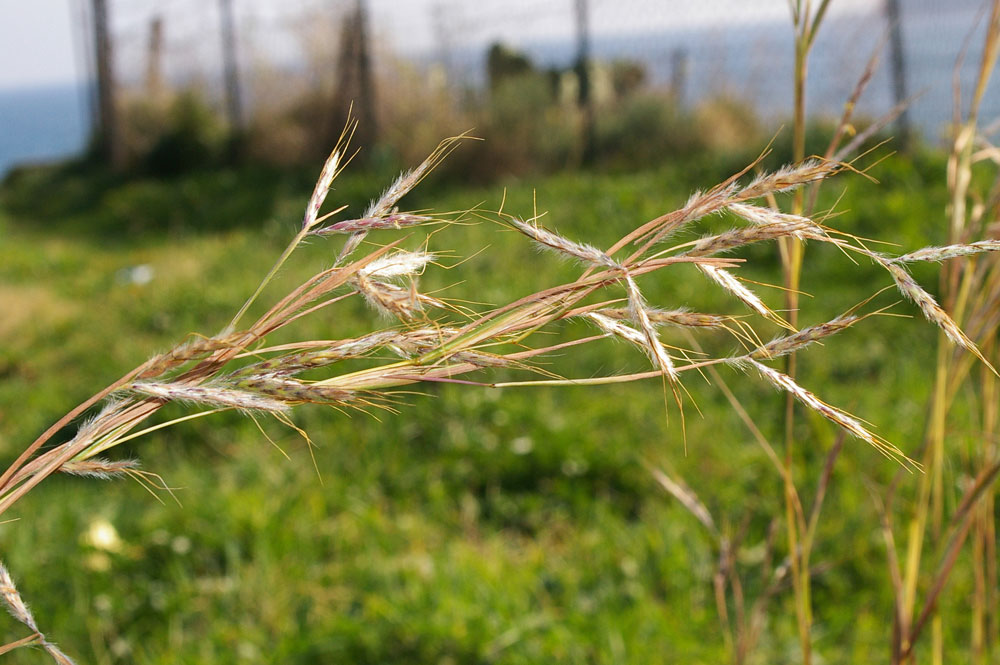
(958, 285)
(806, 25)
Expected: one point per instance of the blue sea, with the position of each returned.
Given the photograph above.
(42, 124)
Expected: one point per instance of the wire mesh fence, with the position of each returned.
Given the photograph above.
(698, 50)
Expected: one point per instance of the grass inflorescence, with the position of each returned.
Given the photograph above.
(420, 339)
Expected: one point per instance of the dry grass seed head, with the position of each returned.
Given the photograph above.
(949, 251)
(589, 255)
(727, 281)
(745, 236)
(787, 178)
(392, 221)
(850, 424)
(655, 348)
(931, 310)
(98, 467)
(209, 395)
(398, 264)
(782, 346)
(673, 317)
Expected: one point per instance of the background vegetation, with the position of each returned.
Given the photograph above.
(475, 526)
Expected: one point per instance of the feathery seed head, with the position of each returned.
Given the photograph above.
(787, 178)
(209, 395)
(100, 468)
(396, 221)
(948, 251)
(782, 346)
(397, 264)
(13, 602)
(612, 327)
(655, 348)
(744, 236)
(847, 422)
(322, 188)
(392, 300)
(925, 301)
(726, 280)
(586, 253)
(675, 317)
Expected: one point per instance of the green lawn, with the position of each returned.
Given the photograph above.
(474, 525)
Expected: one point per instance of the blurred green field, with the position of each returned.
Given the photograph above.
(474, 525)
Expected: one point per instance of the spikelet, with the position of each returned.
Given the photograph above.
(588, 254)
(392, 300)
(385, 204)
(186, 352)
(56, 653)
(393, 221)
(18, 609)
(724, 279)
(675, 317)
(698, 205)
(409, 179)
(100, 468)
(932, 311)
(782, 346)
(326, 177)
(397, 264)
(948, 252)
(13, 602)
(761, 216)
(847, 422)
(613, 327)
(209, 395)
(655, 349)
(290, 390)
(786, 179)
(745, 236)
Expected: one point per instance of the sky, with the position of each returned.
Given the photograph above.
(40, 40)
(37, 46)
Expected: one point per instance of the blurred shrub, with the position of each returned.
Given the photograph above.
(727, 124)
(644, 130)
(193, 138)
(525, 130)
(528, 117)
(169, 136)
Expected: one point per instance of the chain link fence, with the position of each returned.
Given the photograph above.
(428, 54)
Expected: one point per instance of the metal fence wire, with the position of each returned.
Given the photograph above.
(698, 48)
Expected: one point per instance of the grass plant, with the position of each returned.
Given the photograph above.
(422, 340)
